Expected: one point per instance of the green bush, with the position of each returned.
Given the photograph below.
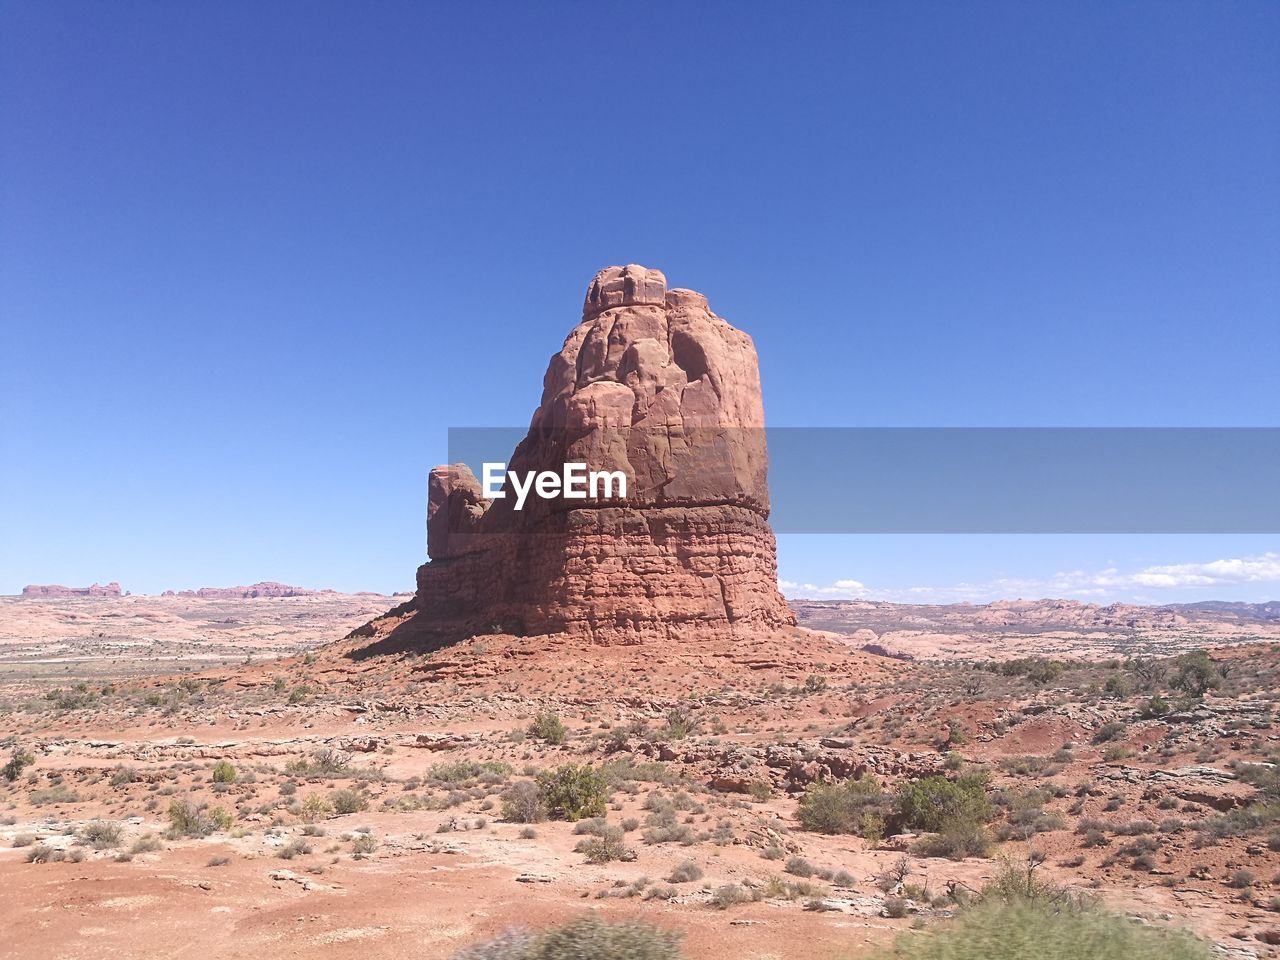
(588, 938)
(1036, 669)
(573, 791)
(956, 841)
(935, 803)
(224, 772)
(1196, 674)
(841, 807)
(549, 727)
(1157, 706)
(18, 761)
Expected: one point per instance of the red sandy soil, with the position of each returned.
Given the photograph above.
(777, 713)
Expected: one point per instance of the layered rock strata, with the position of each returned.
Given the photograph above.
(655, 385)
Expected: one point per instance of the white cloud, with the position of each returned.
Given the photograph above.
(1078, 584)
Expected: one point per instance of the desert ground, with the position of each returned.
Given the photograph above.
(248, 777)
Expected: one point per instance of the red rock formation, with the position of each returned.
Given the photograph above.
(265, 588)
(49, 591)
(652, 383)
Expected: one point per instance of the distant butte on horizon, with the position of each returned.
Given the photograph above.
(261, 589)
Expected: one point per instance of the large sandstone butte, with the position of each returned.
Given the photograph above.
(653, 383)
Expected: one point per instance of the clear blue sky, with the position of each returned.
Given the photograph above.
(256, 258)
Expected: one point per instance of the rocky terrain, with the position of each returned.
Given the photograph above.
(1014, 628)
(84, 639)
(311, 802)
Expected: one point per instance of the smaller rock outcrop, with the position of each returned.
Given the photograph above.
(265, 588)
(55, 591)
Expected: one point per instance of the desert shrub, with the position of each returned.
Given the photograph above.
(511, 945)
(123, 775)
(43, 853)
(1094, 838)
(957, 840)
(1157, 706)
(895, 907)
(487, 771)
(1108, 731)
(100, 834)
(606, 846)
(573, 791)
(187, 819)
(1196, 674)
(1136, 828)
(1242, 879)
(1023, 929)
(293, 849)
(934, 803)
(841, 807)
(146, 845)
(549, 727)
(55, 794)
(522, 803)
(1240, 822)
(225, 772)
(321, 763)
(347, 801)
(685, 872)
(731, 894)
(957, 736)
(661, 826)
(1118, 686)
(588, 938)
(680, 723)
(800, 867)
(314, 808)
(363, 845)
(1036, 669)
(23, 839)
(1028, 765)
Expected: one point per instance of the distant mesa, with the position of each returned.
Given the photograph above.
(54, 591)
(267, 588)
(655, 385)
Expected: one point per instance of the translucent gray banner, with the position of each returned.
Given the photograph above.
(952, 480)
